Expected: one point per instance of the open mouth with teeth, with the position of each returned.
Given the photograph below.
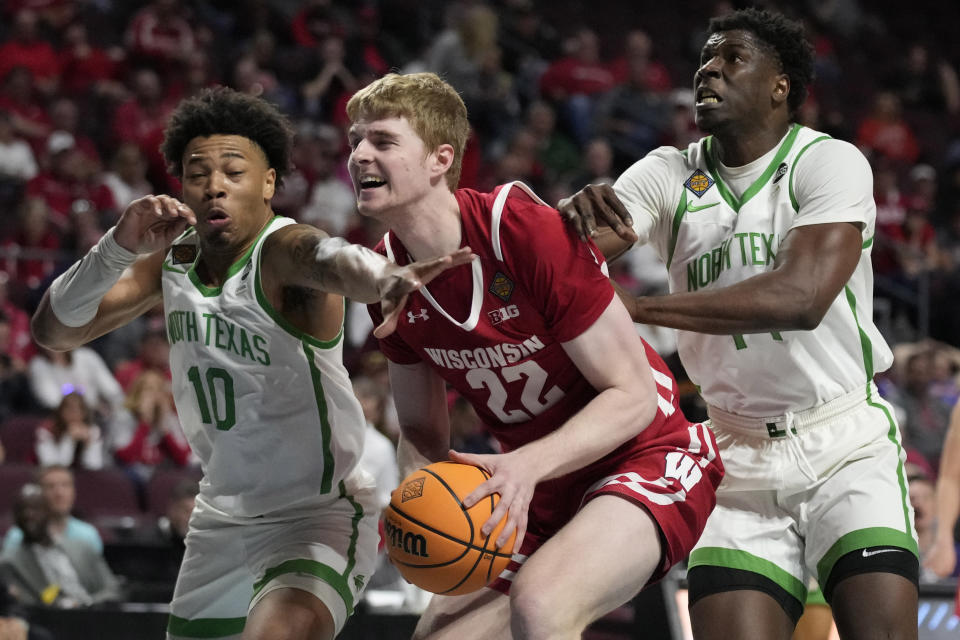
(708, 97)
(371, 182)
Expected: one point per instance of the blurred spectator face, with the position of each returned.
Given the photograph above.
(922, 497)
(32, 514)
(6, 127)
(64, 115)
(34, 219)
(129, 163)
(73, 409)
(639, 45)
(19, 84)
(58, 490)
(146, 86)
(25, 26)
(178, 513)
(918, 373)
(887, 106)
(541, 118)
(155, 351)
(371, 399)
(918, 58)
(599, 157)
(587, 46)
(75, 36)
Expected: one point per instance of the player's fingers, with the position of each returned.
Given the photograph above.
(512, 524)
(568, 210)
(616, 215)
(495, 517)
(391, 313)
(429, 269)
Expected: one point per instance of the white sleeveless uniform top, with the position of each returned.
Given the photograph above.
(714, 226)
(269, 410)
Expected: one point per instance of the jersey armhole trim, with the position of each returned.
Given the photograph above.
(796, 161)
(285, 324)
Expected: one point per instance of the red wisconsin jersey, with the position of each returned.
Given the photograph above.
(494, 329)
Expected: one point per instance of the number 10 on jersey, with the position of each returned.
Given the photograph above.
(215, 399)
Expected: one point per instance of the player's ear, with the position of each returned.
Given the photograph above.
(269, 183)
(442, 159)
(781, 88)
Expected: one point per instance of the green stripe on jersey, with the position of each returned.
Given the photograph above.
(205, 627)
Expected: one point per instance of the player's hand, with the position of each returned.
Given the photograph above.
(511, 477)
(942, 557)
(597, 205)
(151, 223)
(398, 282)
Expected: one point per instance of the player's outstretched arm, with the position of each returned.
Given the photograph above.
(304, 256)
(612, 358)
(116, 281)
(942, 557)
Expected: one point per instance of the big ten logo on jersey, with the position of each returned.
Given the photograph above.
(503, 313)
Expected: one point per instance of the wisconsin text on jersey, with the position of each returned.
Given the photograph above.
(484, 357)
(217, 332)
(756, 248)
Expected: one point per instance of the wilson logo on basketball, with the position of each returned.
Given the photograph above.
(411, 543)
(411, 490)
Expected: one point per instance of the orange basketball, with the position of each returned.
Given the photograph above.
(433, 541)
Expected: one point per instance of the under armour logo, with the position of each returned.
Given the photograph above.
(413, 317)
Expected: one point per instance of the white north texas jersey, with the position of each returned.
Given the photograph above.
(269, 410)
(714, 226)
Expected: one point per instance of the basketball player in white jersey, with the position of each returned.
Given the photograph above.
(766, 228)
(284, 534)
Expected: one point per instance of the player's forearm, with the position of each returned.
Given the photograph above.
(765, 302)
(948, 507)
(337, 266)
(612, 418)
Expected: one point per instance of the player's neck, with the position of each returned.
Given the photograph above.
(432, 228)
(742, 148)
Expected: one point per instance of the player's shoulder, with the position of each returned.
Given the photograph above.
(665, 161)
(821, 153)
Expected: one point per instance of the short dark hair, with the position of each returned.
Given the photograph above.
(225, 111)
(787, 40)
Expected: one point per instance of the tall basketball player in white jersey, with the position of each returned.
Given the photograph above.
(284, 534)
(766, 228)
(605, 481)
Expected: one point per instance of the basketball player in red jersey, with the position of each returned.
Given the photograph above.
(601, 474)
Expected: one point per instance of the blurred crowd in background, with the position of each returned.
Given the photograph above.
(560, 94)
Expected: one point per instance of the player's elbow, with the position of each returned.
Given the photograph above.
(47, 331)
(800, 307)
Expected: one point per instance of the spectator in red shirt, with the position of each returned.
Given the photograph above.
(141, 119)
(65, 116)
(575, 81)
(884, 132)
(27, 113)
(315, 22)
(26, 49)
(87, 68)
(19, 344)
(154, 356)
(159, 35)
(32, 248)
(69, 186)
(638, 51)
(147, 433)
